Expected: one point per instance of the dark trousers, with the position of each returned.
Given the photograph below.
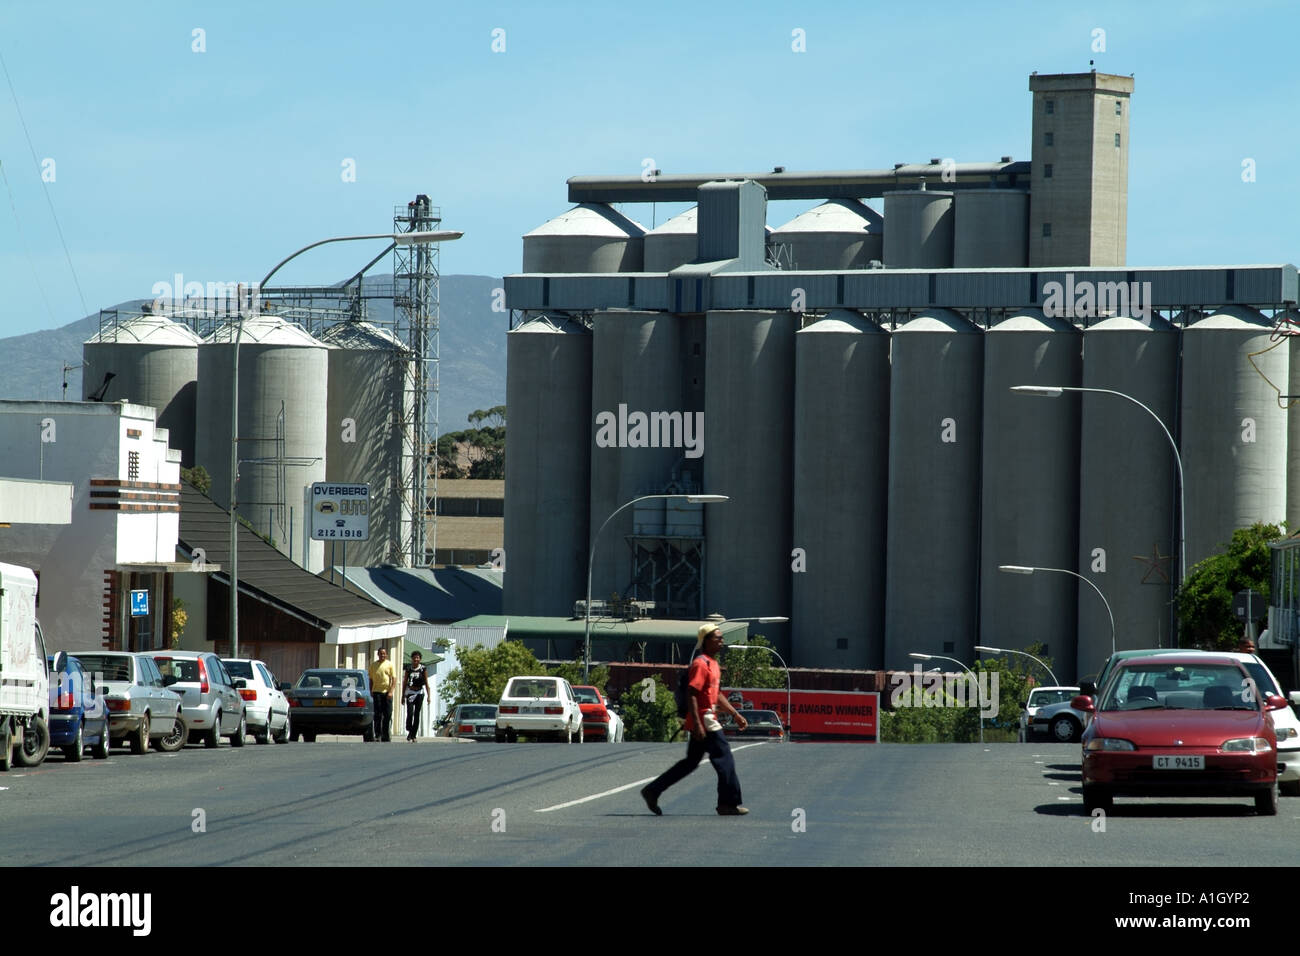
(715, 745)
(413, 707)
(383, 716)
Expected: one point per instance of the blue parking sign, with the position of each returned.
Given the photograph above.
(139, 603)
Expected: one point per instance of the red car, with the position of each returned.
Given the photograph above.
(597, 719)
(1180, 726)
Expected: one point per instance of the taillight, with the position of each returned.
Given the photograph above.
(464, 729)
(247, 694)
(357, 701)
(294, 702)
(65, 699)
(554, 710)
(508, 709)
(774, 733)
(117, 703)
(203, 677)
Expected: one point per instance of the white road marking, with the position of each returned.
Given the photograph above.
(1065, 798)
(1053, 783)
(626, 786)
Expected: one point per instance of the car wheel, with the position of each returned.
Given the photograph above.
(283, 736)
(175, 740)
(212, 739)
(1290, 789)
(6, 745)
(1266, 803)
(581, 737)
(1065, 730)
(140, 739)
(35, 743)
(100, 750)
(265, 736)
(1097, 798)
(237, 738)
(74, 751)
(309, 736)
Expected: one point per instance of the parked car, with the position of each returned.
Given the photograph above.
(1039, 698)
(24, 679)
(760, 723)
(331, 700)
(140, 708)
(78, 717)
(599, 720)
(265, 705)
(1180, 725)
(538, 707)
(210, 700)
(471, 721)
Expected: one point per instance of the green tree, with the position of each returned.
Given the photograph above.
(649, 711)
(198, 477)
(751, 668)
(482, 674)
(1205, 617)
(484, 445)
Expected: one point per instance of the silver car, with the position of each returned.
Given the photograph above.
(210, 699)
(140, 708)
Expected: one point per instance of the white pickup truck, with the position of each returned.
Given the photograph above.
(24, 679)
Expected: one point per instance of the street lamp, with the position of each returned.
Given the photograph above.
(1019, 569)
(1007, 650)
(404, 238)
(974, 683)
(591, 557)
(789, 714)
(1054, 391)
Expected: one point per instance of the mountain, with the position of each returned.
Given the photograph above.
(472, 350)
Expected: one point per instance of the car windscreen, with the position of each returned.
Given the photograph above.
(327, 679)
(240, 669)
(484, 712)
(1180, 687)
(1042, 698)
(112, 668)
(183, 669)
(530, 687)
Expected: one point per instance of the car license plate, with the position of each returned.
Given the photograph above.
(1178, 762)
(532, 710)
(326, 702)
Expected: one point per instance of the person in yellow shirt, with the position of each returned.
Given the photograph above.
(383, 680)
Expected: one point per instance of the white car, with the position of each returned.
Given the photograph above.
(264, 702)
(1039, 698)
(539, 707)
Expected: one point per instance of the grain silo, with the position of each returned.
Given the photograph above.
(841, 451)
(154, 362)
(638, 430)
(1128, 491)
(368, 370)
(1233, 432)
(990, 229)
(749, 381)
(918, 229)
(1292, 421)
(591, 237)
(838, 234)
(673, 244)
(548, 457)
(1030, 487)
(283, 386)
(935, 423)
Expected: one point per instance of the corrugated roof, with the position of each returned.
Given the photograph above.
(264, 329)
(836, 215)
(147, 330)
(431, 594)
(361, 335)
(521, 627)
(265, 570)
(590, 219)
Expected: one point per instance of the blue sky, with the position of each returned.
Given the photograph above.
(217, 164)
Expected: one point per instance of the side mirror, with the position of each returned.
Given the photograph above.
(1084, 703)
(1088, 688)
(1024, 704)
(283, 686)
(1274, 702)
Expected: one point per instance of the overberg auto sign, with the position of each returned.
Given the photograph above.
(340, 512)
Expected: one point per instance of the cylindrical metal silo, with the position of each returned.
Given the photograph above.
(918, 229)
(749, 379)
(283, 387)
(1233, 432)
(990, 229)
(1293, 422)
(838, 234)
(638, 431)
(591, 237)
(1128, 491)
(1030, 489)
(366, 411)
(673, 244)
(841, 453)
(548, 458)
(935, 423)
(154, 362)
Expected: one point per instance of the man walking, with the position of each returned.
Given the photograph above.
(383, 681)
(417, 686)
(705, 731)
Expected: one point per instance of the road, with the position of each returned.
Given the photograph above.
(446, 803)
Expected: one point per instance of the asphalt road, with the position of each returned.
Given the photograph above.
(446, 803)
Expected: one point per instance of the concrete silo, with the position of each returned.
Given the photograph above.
(638, 429)
(838, 234)
(1030, 488)
(935, 424)
(283, 389)
(368, 369)
(591, 237)
(1292, 421)
(841, 452)
(1128, 492)
(990, 229)
(154, 362)
(918, 229)
(1233, 433)
(673, 244)
(749, 384)
(548, 457)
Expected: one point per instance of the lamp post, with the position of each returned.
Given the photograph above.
(974, 682)
(591, 557)
(1007, 650)
(1020, 569)
(789, 714)
(405, 238)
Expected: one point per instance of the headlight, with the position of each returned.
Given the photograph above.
(1286, 733)
(1110, 743)
(1250, 745)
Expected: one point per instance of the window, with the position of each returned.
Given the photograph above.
(1047, 170)
(1117, 140)
(1047, 230)
(1047, 139)
(133, 457)
(1049, 106)
(1119, 107)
